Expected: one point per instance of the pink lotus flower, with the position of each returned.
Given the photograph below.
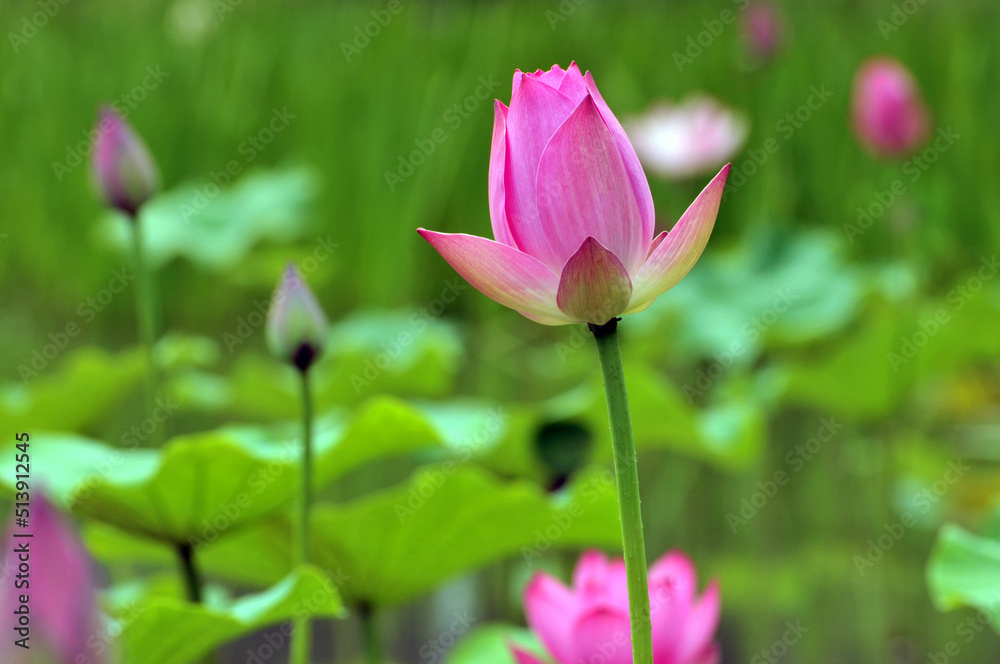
(890, 118)
(123, 168)
(690, 138)
(571, 210)
(61, 598)
(763, 30)
(592, 618)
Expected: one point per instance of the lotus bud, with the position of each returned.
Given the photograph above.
(123, 167)
(296, 325)
(890, 118)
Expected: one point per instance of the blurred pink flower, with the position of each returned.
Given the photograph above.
(763, 30)
(691, 138)
(59, 588)
(890, 118)
(592, 618)
(571, 210)
(123, 168)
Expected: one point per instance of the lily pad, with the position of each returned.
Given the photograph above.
(964, 570)
(167, 631)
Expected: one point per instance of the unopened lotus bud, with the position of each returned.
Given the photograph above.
(123, 168)
(296, 325)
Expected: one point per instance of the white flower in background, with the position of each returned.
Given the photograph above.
(687, 139)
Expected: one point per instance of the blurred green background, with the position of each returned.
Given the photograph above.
(313, 126)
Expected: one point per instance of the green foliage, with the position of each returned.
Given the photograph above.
(491, 645)
(964, 570)
(169, 631)
(216, 228)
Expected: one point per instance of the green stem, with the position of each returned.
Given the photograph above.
(369, 628)
(302, 634)
(146, 317)
(192, 579)
(627, 476)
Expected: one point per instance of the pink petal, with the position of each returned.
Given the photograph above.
(551, 610)
(584, 191)
(635, 173)
(523, 656)
(552, 78)
(681, 248)
(594, 286)
(502, 274)
(498, 162)
(672, 585)
(63, 603)
(591, 573)
(536, 111)
(573, 85)
(702, 621)
(711, 655)
(604, 635)
(675, 573)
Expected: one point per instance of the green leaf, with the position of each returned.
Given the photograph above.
(398, 544)
(855, 377)
(394, 545)
(166, 631)
(87, 385)
(490, 645)
(771, 289)
(199, 486)
(217, 232)
(964, 570)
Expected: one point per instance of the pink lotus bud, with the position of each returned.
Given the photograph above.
(691, 138)
(571, 210)
(52, 571)
(763, 30)
(590, 620)
(123, 168)
(296, 326)
(890, 118)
